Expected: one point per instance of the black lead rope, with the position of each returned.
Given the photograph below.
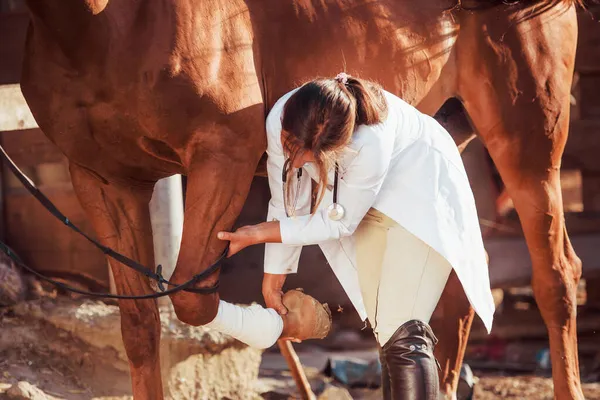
(184, 286)
(128, 262)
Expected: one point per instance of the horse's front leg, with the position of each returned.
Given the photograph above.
(120, 215)
(218, 183)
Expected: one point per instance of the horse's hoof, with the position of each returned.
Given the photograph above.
(306, 317)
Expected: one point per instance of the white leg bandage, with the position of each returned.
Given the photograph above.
(255, 325)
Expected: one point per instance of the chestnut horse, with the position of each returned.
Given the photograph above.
(134, 91)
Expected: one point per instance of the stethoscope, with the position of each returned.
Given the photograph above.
(335, 211)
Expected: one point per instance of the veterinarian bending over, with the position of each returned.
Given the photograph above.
(394, 214)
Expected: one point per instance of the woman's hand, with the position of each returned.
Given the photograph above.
(272, 292)
(267, 232)
(274, 300)
(241, 238)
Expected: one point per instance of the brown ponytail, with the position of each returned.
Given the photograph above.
(322, 116)
(371, 107)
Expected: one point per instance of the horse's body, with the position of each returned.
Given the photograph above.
(135, 91)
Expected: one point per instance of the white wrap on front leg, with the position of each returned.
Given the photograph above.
(255, 325)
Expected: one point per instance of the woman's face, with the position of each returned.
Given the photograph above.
(302, 156)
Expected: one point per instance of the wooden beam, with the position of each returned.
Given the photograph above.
(589, 93)
(13, 29)
(590, 186)
(588, 56)
(30, 148)
(529, 325)
(578, 223)
(46, 244)
(510, 264)
(583, 146)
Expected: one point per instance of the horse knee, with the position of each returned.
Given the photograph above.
(555, 288)
(140, 329)
(194, 309)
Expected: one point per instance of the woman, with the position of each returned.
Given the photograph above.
(393, 214)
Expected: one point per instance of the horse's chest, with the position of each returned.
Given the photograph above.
(162, 127)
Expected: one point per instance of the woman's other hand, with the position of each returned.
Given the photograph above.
(241, 238)
(267, 232)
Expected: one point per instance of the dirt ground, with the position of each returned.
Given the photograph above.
(64, 366)
(56, 361)
(497, 386)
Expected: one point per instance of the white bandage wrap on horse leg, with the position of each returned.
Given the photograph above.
(255, 325)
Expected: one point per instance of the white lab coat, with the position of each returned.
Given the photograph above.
(407, 167)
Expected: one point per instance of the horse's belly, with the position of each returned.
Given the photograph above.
(399, 44)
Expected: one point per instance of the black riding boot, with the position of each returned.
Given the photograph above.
(407, 360)
(386, 389)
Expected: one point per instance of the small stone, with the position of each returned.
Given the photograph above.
(335, 393)
(26, 391)
(12, 286)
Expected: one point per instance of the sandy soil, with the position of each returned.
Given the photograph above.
(66, 367)
(497, 386)
(57, 362)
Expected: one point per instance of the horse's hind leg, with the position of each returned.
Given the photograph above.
(519, 104)
(121, 219)
(453, 315)
(452, 324)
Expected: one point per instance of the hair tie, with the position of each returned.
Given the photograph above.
(342, 77)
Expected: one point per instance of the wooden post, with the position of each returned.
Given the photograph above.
(293, 362)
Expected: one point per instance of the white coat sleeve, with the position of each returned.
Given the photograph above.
(282, 258)
(358, 187)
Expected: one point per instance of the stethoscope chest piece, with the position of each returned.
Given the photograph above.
(335, 212)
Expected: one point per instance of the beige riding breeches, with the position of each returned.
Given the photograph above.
(401, 277)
